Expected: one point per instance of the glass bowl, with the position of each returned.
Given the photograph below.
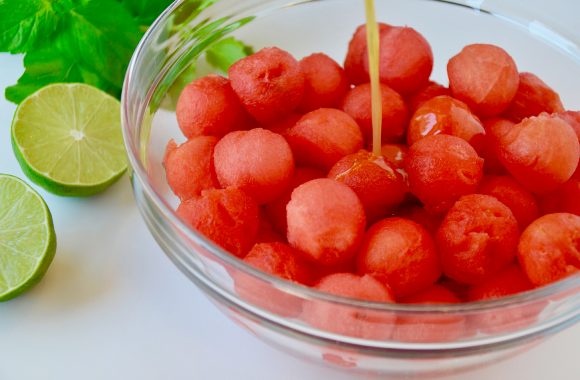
(378, 338)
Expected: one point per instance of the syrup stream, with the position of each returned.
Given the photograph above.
(373, 50)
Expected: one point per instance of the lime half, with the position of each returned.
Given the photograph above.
(67, 139)
(27, 239)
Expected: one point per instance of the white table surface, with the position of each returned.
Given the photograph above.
(112, 306)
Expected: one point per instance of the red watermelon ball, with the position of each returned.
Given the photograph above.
(532, 98)
(509, 282)
(541, 152)
(509, 192)
(358, 104)
(282, 261)
(269, 83)
(209, 106)
(400, 253)
(257, 161)
(354, 63)
(548, 250)
(326, 221)
(322, 137)
(276, 210)
(442, 168)
(228, 217)
(405, 59)
(325, 82)
(495, 128)
(446, 115)
(485, 77)
(430, 328)
(189, 167)
(350, 320)
(477, 239)
(378, 184)
(429, 91)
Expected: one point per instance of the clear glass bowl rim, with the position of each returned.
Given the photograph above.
(140, 173)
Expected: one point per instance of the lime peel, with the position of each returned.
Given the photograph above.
(67, 138)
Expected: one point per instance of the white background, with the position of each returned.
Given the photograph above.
(113, 307)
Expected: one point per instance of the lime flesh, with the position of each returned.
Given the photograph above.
(67, 139)
(27, 238)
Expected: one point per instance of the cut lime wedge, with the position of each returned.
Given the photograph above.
(67, 139)
(27, 239)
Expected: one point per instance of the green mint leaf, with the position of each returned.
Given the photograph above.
(226, 52)
(146, 11)
(102, 35)
(54, 64)
(26, 23)
(93, 45)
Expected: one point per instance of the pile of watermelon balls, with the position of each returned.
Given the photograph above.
(476, 194)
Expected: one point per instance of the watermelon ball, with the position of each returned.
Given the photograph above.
(427, 92)
(485, 77)
(325, 82)
(322, 137)
(326, 221)
(477, 239)
(532, 98)
(257, 161)
(489, 151)
(358, 104)
(445, 115)
(269, 83)
(573, 119)
(375, 180)
(430, 328)
(508, 282)
(209, 106)
(541, 152)
(189, 167)
(497, 127)
(549, 248)
(279, 260)
(442, 168)
(283, 125)
(228, 217)
(350, 320)
(354, 63)
(565, 198)
(405, 59)
(418, 214)
(509, 192)
(400, 253)
(276, 210)
(395, 154)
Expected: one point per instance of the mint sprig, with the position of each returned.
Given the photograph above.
(24, 25)
(86, 41)
(226, 52)
(145, 11)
